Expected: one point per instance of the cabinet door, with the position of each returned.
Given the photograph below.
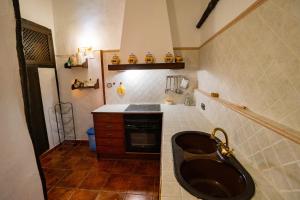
(109, 132)
(110, 118)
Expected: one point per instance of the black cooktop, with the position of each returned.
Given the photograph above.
(143, 107)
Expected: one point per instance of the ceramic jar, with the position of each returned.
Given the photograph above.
(169, 58)
(132, 59)
(149, 58)
(115, 60)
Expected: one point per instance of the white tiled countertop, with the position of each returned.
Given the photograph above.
(118, 108)
(111, 108)
(177, 118)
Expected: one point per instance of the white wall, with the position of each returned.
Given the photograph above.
(224, 12)
(19, 177)
(38, 11)
(49, 98)
(96, 23)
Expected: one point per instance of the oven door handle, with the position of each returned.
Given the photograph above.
(131, 126)
(145, 130)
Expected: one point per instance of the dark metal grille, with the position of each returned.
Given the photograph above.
(36, 47)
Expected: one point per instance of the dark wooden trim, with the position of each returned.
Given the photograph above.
(39, 28)
(24, 84)
(40, 66)
(103, 76)
(145, 66)
(210, 7)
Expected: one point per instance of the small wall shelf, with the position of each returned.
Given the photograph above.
(95, 86)
(83, 65)
(145, 66)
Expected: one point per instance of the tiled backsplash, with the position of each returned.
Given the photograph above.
(256, 63)
(265, 152)
(148, 86)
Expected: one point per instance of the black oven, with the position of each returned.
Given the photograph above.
(143, 132)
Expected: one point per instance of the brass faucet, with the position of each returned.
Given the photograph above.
(224, 147)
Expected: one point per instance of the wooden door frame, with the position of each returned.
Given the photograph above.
(24, 80)
(103, 76)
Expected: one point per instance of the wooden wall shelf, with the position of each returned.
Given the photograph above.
(83, 65)
(96, 86)
(145, 66)
(281, 129)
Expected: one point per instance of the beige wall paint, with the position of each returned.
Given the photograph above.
(84, 101)
(224, 13)
(183, 16)
(18, 170)
(256, 63)
(38, 11)
(96, 23)
(146, 27)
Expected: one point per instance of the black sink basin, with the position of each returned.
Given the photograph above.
(193, 142)
(213, 178)
(203, 172)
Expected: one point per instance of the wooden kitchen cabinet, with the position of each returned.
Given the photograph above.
(109, 134)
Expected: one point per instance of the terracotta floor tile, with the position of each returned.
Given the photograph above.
(117, 182)
(45, 160)
(54, 162)
(63, 150)
(105, 165)
(73, 172)
(84, 195)
(107, 195)
(95, 180)
(138, 197)
(125, 167)
(85, 163)
(150, 168)
(70, 162)
(141, 185)
(80, 150)
(73, 179)
(91, 154)
(53, 176)
(60, 194)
